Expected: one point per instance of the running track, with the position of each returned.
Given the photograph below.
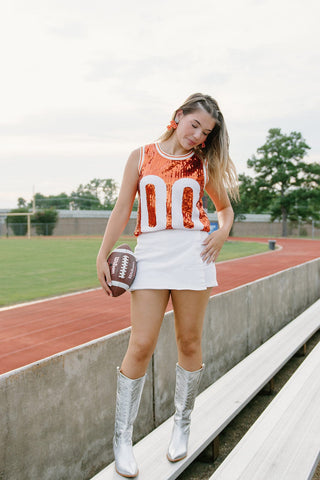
(37, 330)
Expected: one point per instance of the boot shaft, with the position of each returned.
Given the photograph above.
(129, 393)
(187, 386)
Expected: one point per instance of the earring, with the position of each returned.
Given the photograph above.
(173, 125)
(203, 145)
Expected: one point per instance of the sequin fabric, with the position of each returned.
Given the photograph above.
(151, 204)
(170, 190)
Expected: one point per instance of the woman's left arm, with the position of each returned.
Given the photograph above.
(214, 242)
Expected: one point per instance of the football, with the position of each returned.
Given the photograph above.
(123, 267)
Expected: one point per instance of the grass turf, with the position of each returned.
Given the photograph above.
(48, 266)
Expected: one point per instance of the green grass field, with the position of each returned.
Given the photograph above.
(43, 267)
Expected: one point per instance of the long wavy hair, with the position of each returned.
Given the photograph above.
(216, 151)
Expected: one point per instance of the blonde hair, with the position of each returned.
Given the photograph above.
(216, 151)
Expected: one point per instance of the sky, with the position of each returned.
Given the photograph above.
(83, 83)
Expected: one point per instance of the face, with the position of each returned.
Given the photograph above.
(193, 128)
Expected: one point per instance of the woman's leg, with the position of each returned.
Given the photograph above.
(189, 307)
(147, 311)
(189, 310)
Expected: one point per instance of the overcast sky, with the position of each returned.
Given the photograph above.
(83, 83)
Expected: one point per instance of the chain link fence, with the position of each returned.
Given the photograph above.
(20, 229)
(96, 227)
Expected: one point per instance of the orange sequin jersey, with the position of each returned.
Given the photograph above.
(170, 191)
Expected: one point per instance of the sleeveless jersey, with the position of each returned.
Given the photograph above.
(170, 190)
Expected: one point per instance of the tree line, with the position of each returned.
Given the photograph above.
(98, 194)
(283, 185)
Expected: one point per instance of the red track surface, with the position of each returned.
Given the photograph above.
(37, 330)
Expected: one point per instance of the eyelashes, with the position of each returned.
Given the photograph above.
(203, 133)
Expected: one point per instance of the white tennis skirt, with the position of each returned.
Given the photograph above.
(171, 260)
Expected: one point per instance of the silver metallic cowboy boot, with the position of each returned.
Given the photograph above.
(187, 384)
(128, 400)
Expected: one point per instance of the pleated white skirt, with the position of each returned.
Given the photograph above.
(171, 260)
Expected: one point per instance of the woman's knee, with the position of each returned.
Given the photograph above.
(189, 346)
(141, 349)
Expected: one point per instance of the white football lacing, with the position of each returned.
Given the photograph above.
(124, 266)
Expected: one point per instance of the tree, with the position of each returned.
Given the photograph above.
(45, 221)
(284, 183)
(99, 193)
(253, 199)
(60, 201)
(109, 191)
(22, 203)
(83, 199)
(105, 189)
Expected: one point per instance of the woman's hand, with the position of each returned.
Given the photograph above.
(104, 276)
(213, 244)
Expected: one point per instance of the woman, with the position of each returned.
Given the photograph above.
(175, 256)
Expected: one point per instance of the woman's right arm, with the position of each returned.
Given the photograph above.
(119, 218)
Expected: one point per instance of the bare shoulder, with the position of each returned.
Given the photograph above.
(132, 165)
(134, 156)
(133, 160)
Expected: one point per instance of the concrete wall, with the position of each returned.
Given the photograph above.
(96, 226)
(257, 229)
(262, 229)
(56, 415)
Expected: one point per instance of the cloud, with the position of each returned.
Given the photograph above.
(68, 29)
(108, 67)
(86, 126)
(83, 84)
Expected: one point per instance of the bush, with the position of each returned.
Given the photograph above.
(45, 221)
(303, 232)
(19, 225)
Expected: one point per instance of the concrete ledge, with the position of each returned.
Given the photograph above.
(56, 415)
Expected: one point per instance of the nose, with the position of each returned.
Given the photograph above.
(197, 134)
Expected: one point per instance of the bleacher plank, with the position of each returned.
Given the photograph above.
(284, 443)
(221, 402)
